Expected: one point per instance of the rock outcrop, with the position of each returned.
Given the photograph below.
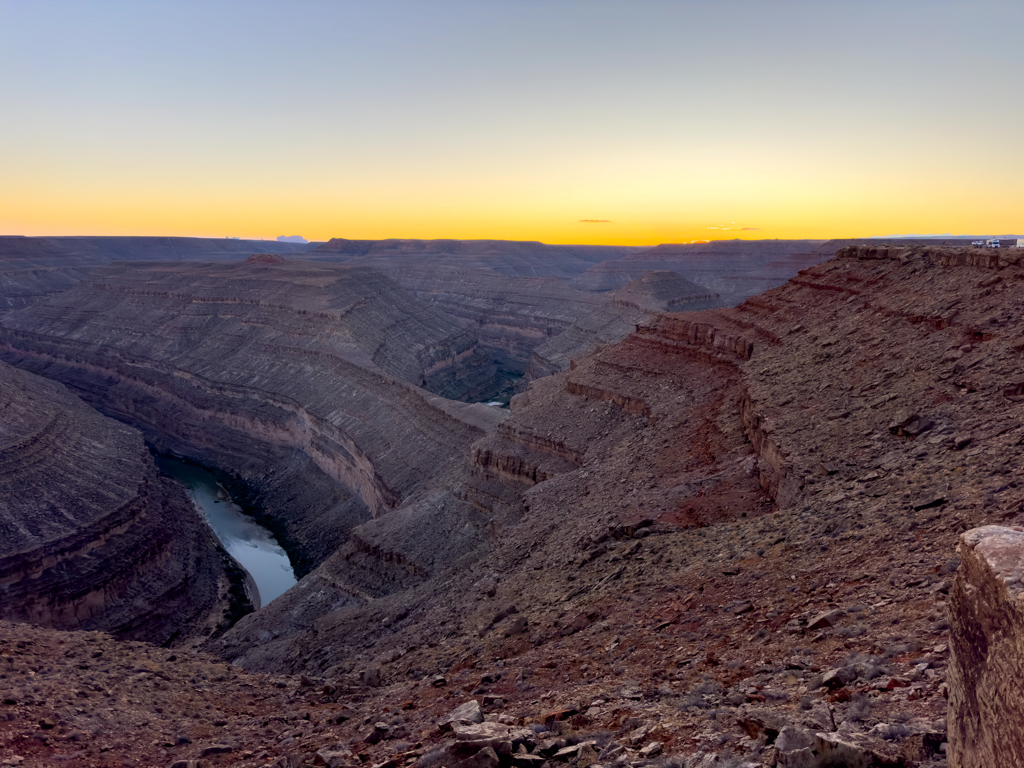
(986, 704)
(663, 291)
(92, 537)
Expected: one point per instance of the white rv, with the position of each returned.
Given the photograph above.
(993, 243)
(1020, 243)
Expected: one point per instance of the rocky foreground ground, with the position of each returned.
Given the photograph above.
(728, 540)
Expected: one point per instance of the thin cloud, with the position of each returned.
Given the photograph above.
(595, 221)
(730, 226)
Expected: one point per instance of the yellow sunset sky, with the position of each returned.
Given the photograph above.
(665, 121)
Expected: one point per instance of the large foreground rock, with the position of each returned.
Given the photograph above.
(986, 700)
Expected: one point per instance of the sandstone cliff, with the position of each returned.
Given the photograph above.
(92, 537)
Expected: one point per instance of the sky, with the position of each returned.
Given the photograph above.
(591, 121)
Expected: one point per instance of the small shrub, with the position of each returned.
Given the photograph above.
(860, 708)
(857, 630)
(692, 700)
(893, 731)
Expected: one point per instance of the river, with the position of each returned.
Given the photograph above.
(252, 545)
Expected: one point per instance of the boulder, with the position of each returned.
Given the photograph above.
(652, 749)
(370, 677)
(837, 678)
(470, 712)
(336, 756)
(827, 619)
(485, 758)
(851, 751)
(986, 701)
(501, 738)
(791, 738)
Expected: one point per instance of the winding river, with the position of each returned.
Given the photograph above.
(252, 545)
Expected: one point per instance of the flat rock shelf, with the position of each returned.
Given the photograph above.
(252, 545)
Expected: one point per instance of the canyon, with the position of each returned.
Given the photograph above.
(717, 522)
(93, 537)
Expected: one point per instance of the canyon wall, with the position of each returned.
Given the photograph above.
(720, 486)
(92, 536)
(735, 270)
(532, 326)
(512, 258)
(34, 268)
(297, 380)
(94, 250)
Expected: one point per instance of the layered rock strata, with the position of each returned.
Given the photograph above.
(733, 269)
(506, 257)
(87, 251)
(663, 291)
(533, 326)
(986, 704)
(759, 504)
(35, 268)
(92, 536)
(297, 380)
(727, 537)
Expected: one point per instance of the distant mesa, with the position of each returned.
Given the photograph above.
(291, 239)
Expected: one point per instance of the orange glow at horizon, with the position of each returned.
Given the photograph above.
(319, 214)
(511, 121)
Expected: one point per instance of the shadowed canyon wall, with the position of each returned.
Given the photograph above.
(92, 536)
(298, 380)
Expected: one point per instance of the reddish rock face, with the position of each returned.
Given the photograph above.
(986, 703)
